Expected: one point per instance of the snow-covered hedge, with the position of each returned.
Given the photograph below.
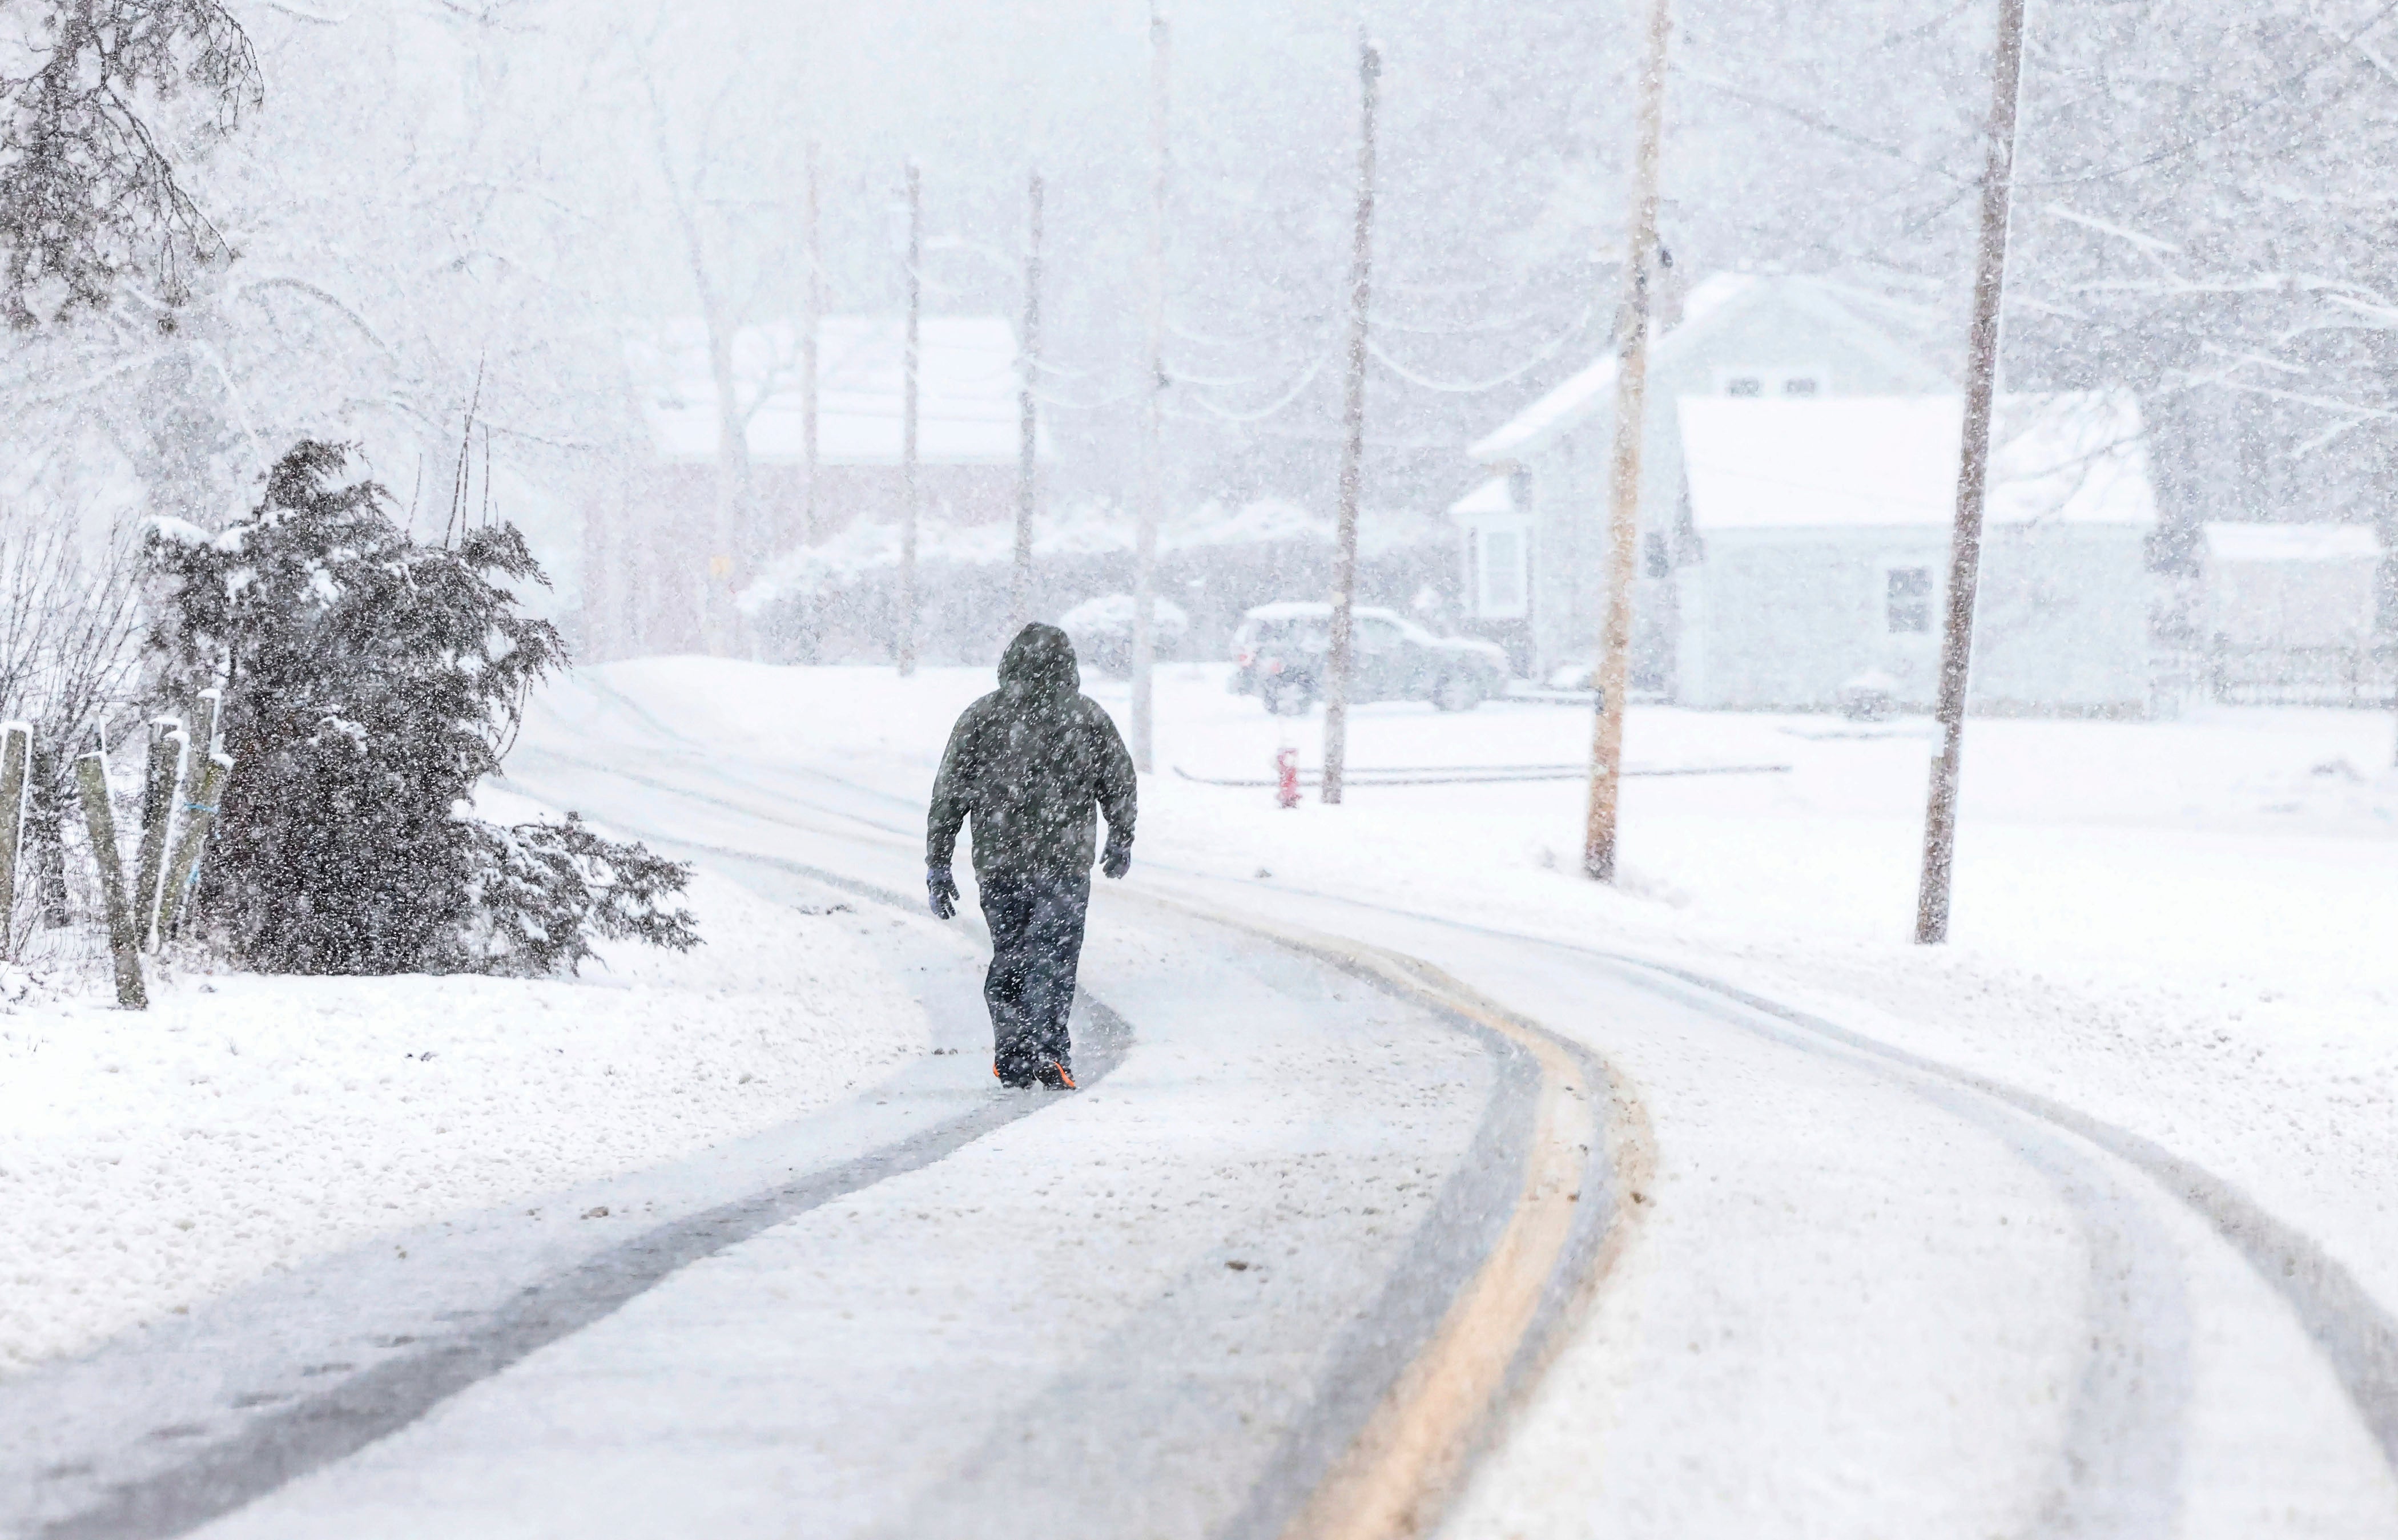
(839, 598)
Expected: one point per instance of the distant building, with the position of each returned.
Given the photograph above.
(1822, 533)
(2290, 612)
(648, 555)
(1535, 533)
(1799, 487)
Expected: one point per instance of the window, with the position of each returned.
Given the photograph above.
(1503, 576)
(1750, 383)
(1376, 635)
(1906, 604)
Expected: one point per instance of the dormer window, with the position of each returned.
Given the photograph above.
(1784, 384)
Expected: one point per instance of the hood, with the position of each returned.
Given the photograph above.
(1040, 661)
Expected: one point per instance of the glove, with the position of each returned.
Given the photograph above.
(1117, 860)
(941, 891)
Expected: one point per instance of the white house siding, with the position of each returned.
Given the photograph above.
(1783, 618)
(1774, 325)
(2292, 586)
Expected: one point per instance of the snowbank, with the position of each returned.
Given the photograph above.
(244, 1124)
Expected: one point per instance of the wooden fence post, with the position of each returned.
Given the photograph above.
(16, 785)
(206, 710)
(199, 815)
(91, 779)
(165, 773)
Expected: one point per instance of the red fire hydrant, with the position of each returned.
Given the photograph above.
(1286, 776)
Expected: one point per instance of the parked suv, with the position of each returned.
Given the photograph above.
(1281, 652)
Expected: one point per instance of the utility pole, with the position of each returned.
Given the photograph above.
(1624, 495)
(905, 650)
(814, 323)
(1152, 438)
(1973, 479)
(1353, 441)
(1019, 592)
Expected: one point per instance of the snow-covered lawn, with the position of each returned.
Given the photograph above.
(2191, 927)
(244, 1124)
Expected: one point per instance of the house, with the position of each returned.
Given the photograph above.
(666, 551)
(1822, 532)
(2289, 611)
(1535, 530)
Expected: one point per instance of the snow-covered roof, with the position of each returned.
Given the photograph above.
(1714, 304)
(966, 411)
(1595, 386)
(2227, 541)
(1493, 497)
(1877, 461)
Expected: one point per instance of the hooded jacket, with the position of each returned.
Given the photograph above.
(1030, 762)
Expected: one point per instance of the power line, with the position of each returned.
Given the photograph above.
(1476, 387)
(1305, 380)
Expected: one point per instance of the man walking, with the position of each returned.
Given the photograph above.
(1030, 762)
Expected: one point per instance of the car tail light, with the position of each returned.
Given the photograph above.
(1245, 659)
(1275, 666)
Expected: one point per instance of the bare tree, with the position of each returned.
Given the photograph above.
(88, 195)
(69, 650)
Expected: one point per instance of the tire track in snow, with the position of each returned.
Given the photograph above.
(1422, 1382)
(2356, 1335)
(1388, 1461)
(2355, 1332)
(2119, 1468)
(276, 1448)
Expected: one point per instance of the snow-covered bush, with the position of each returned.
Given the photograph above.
(370, 683)
(839, 601)
(540, 893)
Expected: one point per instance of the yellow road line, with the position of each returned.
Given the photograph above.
(1399, 1475)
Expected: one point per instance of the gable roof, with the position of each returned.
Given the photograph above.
(2229, 541)
(1882, 461)
(1493, 498)
(966, 411)
(1714, 307)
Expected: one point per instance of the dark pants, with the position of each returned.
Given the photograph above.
(1036, 943)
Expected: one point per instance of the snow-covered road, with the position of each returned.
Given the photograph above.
(1280, 1269)
(1171, 1304)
